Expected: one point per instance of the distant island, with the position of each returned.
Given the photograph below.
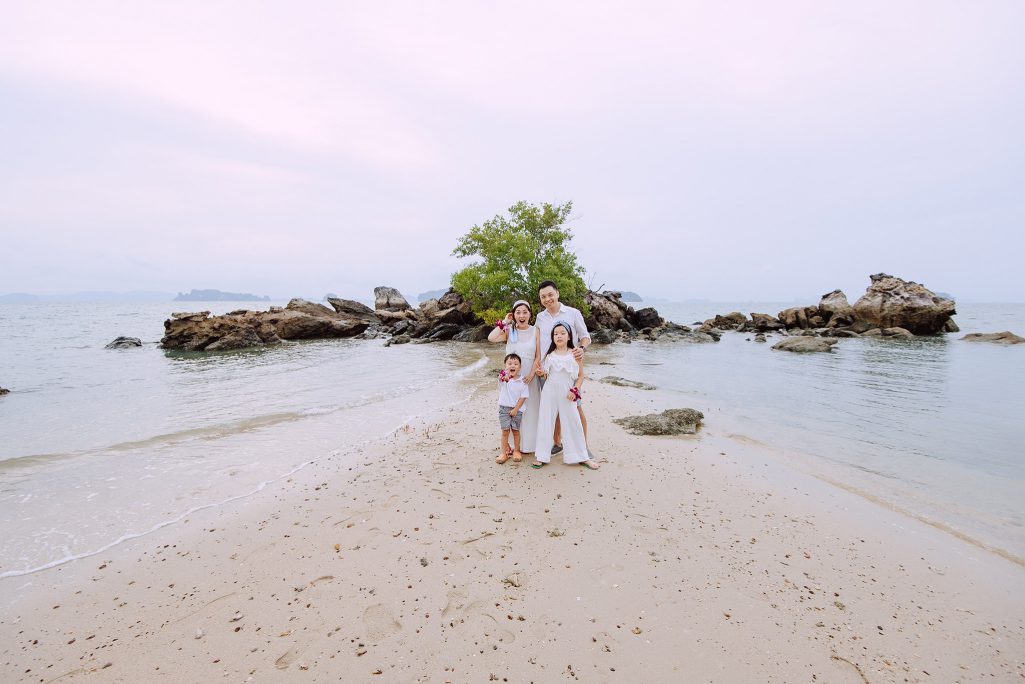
(631, 297)
(218, 296)
(133, 297)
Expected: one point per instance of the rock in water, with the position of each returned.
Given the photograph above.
(891, 302)
(835, 309)
(4, 391)
(1005, 337)
(389, 299)
(806, 344)
(124, 343)
(623, 382)
(683, 421)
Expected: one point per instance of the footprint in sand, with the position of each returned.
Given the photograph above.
(380, 622)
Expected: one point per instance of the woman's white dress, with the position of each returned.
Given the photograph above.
(525, 347)
(562, 374)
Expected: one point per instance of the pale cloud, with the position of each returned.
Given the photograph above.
(711, 149)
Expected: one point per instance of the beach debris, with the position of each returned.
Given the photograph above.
(623, 382)
(1005, 337)
(199, 633)
(423, 562)
(236, 617)
(637, 630)
(555, 532)
(805, 344)
(513, 580)
(683, 421)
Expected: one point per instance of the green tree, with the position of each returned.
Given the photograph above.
(517, 253)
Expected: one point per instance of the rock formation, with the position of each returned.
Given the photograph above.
(891, 302)
(623, 382)
(124, 343)
(389, 299)
(1005, 337)
(806, 344)
(670, 422)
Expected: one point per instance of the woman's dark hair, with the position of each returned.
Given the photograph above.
(514, 356)
(547, 283)
(569, 343)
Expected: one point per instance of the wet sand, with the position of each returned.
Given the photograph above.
(418, 559)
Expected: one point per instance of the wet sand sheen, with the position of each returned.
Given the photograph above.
(682, 559)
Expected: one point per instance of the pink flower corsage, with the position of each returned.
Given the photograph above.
(575, 391)
(503, 376)
(500, 324)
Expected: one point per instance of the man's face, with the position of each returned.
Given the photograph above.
(549, 297)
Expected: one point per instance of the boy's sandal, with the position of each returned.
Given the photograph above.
(503, 458)
(590, 465)
(538, 465)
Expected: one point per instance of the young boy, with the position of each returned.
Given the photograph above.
(512, 392)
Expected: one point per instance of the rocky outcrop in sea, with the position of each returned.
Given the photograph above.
(891, 307)
(448, 317)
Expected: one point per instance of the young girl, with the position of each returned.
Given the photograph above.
(564, 375)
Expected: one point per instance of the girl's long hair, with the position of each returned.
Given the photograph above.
(569, 343)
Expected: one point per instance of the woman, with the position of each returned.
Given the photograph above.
(520, 338)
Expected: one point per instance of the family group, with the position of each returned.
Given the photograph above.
(539, 400)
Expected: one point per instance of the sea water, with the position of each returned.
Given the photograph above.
(98, 446)
(930, 426)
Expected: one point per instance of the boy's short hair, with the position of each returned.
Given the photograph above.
(547, 283)
(514, 356)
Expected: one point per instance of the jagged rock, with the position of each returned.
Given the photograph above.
(397, 339)
(623, 382)
(354, 309)
(805, 344)
(950, 326)
(444, 331)
(451, 315)
(450, 299)
(835, 309)
(475, 334)
(604, 312)
(896, 332)
(389, 299)
(1005, 337)
(760, 337)
(731, 321)
(843, 333)
(796, 317)
(299, 320)
(429, 308)
(124, 343)
(890, 302)
(670, 422)
(604, 336)
(763, 322)
(646, 318)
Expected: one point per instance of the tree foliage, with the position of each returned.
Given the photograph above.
(516, 254)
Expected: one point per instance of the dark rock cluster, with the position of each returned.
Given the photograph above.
(891, 307)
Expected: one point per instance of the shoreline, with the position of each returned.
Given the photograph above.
(415, 555)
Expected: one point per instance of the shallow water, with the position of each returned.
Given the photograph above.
(930, 425)
(97, 445)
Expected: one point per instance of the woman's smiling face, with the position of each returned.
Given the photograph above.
(521, 314)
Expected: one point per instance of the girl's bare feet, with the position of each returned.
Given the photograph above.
(590, 465)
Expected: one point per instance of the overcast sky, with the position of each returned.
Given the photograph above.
(722, 150)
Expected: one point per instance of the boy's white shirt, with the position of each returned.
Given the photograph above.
(512, 392)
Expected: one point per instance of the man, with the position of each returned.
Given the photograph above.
(553, 312)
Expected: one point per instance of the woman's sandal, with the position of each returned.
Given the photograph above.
(538, 465)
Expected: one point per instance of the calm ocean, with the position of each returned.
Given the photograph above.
(98, 446)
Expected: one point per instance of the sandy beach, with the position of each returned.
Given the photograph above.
(418, 559)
